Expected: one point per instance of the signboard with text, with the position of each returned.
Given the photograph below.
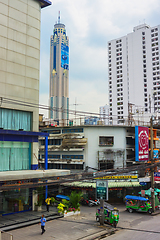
(102, 189)
(141, 143)
(118, 177)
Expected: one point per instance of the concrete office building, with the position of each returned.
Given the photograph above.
(134, 75)
(19, 99)
(19, 70)
(59, 74)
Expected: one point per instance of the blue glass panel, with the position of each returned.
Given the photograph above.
(15, 120)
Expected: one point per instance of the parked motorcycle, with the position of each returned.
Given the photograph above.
(92, 203)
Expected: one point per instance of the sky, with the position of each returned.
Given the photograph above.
(90, 24)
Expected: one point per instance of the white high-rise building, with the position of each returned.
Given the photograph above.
(104, 114)
(134, 75)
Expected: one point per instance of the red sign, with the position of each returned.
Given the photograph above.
(142, 192)
(143, 143)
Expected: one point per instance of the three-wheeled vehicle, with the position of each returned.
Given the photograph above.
(111, 214)
(139, 204)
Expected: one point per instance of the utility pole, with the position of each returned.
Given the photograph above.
(75, 104)
(152, 168)
(101, 215)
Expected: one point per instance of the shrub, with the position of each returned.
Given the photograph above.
(75, 199)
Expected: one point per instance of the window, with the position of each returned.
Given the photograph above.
(54, 141)
(15, 119)
(109, 164)
(106, 141)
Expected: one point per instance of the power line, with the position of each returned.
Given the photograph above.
(46, 107)
(56, 180)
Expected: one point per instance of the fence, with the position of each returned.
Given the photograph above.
(5, 236)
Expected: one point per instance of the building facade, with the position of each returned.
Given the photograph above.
(19, 97)
(59, 74)
(134, 76)
(19, 82)
(88, 147)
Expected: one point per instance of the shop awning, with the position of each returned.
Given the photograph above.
(21, 136)
(110, 184)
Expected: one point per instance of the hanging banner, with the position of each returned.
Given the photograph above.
(141, 143)
(64, 56)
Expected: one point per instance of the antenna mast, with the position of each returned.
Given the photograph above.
(59, 17)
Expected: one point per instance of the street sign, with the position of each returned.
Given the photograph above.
(102, 189)
(143, 183)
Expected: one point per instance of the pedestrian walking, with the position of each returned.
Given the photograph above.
(48, 200)
(42, 222)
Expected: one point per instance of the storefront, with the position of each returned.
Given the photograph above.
(15, 201)
(116, 189)
(19, 191)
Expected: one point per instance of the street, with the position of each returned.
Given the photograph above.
(138, 225)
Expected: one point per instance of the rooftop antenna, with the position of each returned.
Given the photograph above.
(59, 17)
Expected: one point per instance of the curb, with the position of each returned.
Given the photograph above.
(155, 213)
(28, 223)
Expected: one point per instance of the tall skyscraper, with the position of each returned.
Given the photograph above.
(134, 75)
(59, 74)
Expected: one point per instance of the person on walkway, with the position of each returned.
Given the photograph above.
(48, 200)
(42, 222)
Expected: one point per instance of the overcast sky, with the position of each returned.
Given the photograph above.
(90, 24)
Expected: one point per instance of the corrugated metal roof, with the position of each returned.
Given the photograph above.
(110, 184)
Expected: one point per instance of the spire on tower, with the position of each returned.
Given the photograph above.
(59, 17)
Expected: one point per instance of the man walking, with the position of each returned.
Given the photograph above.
(48, 203)
(42, 222)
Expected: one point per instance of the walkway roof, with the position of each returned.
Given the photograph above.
(31, 174)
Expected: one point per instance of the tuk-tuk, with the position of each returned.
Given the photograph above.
(139, 204)
(111, 214)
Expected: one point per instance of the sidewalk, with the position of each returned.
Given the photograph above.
(23, 219)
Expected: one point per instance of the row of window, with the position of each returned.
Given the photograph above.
(144, 70)
(154, 30)
(53, 156)
(154, 35)
(155, 63)
(76, 130)
(51, 142)
(64, 166)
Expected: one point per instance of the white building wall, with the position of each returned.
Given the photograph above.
(92, 147)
